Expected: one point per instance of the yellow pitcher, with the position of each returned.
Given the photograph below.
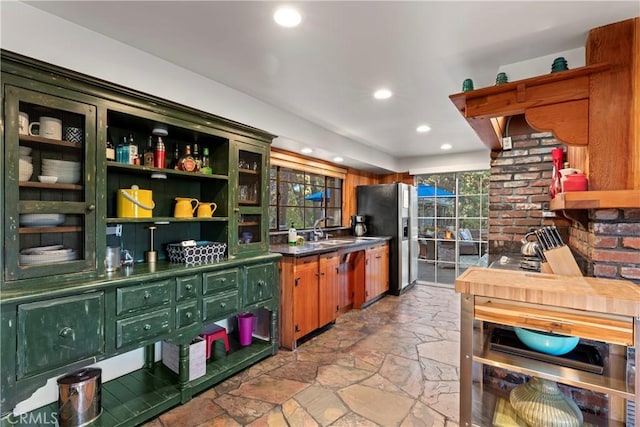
(185, 207)
(206, 209)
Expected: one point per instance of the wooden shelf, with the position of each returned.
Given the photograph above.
(36, 141)
(40, 230)
(168, 219)
(43, 185)
(249, 171)
(555, 102)
(616, 199)
(140, 169)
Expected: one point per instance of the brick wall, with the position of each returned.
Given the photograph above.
(519, 192)
(608, 247)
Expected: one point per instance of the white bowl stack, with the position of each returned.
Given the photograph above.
(68, 172)
(25, 167)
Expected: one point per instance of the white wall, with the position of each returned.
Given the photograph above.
(460, 162)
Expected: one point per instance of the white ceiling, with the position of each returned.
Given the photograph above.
(326, 70)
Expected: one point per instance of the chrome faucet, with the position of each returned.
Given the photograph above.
(317, 230)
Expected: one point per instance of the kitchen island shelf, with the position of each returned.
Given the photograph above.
(575, 377)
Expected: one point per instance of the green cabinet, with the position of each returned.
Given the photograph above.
(60, 309)
(58, 332)
(249, 234)
(50, 228)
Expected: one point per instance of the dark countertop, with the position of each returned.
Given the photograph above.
(344, 244)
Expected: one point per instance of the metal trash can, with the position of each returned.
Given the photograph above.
(80, 397)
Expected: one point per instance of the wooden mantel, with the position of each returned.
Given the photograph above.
(555, 102)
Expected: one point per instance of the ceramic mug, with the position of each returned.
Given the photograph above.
(23, 123)
(206, 209)
(73, 134)
(48, 127)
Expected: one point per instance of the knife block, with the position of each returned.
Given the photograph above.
(561, 261)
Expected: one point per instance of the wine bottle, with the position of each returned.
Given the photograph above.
(148, 153)
(176, 158)
(196, 157)
(206, 162)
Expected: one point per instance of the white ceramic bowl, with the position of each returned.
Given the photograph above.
(47, 179)
(67, 164)
(27, 159)
(41, 220)
(24, 151)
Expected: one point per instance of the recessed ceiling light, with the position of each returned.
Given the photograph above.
(423, 128)
(338, 159)
(287, 17)
(446, 147)
(382, 94)
(306, 151)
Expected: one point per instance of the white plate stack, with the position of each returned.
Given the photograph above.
(25, 167)
(68, 172)
(47, 255)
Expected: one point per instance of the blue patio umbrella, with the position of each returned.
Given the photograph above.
(425, 190)
(317, 196)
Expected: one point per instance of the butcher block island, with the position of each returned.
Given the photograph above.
(601, 310)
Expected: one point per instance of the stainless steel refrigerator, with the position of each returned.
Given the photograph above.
(392, 210)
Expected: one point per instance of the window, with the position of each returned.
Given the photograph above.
(302, 197)
(452, 223)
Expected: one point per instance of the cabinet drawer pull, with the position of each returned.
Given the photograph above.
(65, 332)
(91, 207)
(146, 327)
(223, 304)
(261, 283)
(147, 295)
(224, 279)
(188, 315)
(189, 287)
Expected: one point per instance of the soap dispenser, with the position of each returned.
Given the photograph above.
(293, 235)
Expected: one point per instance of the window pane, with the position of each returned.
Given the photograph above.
(335, 214)
(291, 175)
(469, 206)
(314, 196)
(273, 172)
(335, 199)
(289, 215)
(291, 194)
(316, 179)
(273, 218)
(334, 182)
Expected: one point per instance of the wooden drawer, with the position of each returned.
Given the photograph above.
(187, 287)
(57, 332)
(603, 327)
(142, 297)
(219, 281)
(260, 283)
(143, 327)
(187, 314)
(216, 307)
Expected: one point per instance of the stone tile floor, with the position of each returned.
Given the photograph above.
(394, 363)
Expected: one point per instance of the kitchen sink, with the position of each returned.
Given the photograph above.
(331, 242)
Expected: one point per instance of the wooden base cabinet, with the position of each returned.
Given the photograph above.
(602, 310)
(309, 295)
(373, 267)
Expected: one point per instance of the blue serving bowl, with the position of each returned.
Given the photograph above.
(546, 342)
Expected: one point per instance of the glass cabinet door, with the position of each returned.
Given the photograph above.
(250, 233)
(50, 180)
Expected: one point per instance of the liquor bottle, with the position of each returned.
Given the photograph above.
(206, 162)
(176, 158)
(133, 152)
(187, 163)
(111, 149)
(148, 153)
(196, 157)
(122, 151)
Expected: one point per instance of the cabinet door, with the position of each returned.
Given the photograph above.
(305, 296)
(50, 228)
(376, 265)
(328, 294)
(251, 166)
(384, 268)
(260, 283)
(57, 332)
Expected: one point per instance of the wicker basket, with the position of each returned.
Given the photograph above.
(201, 253)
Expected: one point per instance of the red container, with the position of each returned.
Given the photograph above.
(575, 182)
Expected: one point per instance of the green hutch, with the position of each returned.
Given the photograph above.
(66, 312)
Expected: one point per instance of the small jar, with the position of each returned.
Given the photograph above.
(575, 182)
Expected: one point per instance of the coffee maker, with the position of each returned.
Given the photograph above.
(358, 227)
